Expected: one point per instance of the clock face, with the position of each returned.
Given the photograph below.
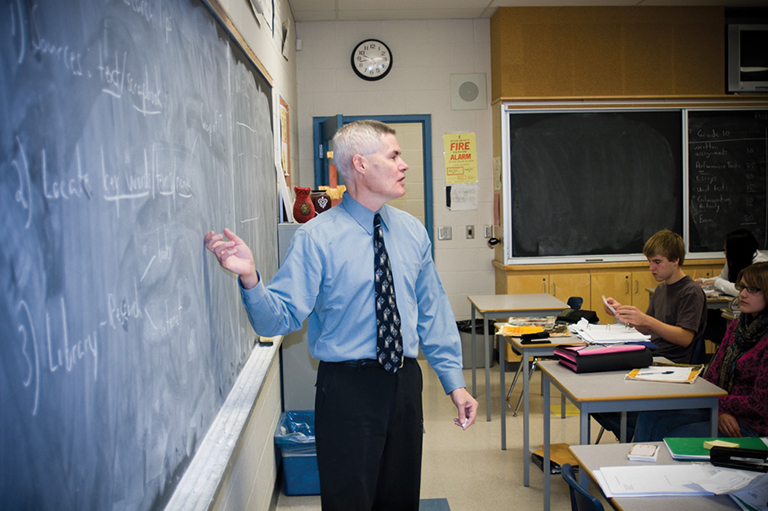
(371, 60)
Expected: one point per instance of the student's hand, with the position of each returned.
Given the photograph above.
(630, 315)
(467, 407)
(728, 425)
(613, 303)
(233, 255)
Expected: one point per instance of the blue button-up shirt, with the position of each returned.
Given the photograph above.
(327, 275)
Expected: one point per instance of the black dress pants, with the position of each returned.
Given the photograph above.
(369, 433)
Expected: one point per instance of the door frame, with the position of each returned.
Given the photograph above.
(321, 163)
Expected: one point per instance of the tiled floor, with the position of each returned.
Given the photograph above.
(468, 467)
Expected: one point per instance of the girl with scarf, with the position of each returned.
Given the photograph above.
(740, 367)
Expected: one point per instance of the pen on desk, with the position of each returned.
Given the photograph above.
(654, 372)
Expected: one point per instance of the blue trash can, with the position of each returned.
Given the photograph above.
(295, 438)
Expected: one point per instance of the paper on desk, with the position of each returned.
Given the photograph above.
(671, 480)
(756, 498)
(607, 334)
(647, 481)
(662, 374)
(728, 480)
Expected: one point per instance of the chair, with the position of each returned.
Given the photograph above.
(574, 303)
(581, 499)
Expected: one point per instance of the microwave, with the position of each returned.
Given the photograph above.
(747, 54)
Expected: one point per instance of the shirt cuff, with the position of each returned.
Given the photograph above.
(452, 381)
(253, 295)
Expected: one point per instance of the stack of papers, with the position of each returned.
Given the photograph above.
(643, 452)
(607, 334)
(753, 499)
(675, 480)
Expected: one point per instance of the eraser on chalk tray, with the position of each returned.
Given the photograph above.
(709, 444)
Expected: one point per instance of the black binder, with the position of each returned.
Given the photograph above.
(607, 360)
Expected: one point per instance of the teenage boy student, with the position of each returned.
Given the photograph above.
(363, 273)
(676, 316)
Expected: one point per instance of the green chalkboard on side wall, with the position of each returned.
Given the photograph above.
(128, 130)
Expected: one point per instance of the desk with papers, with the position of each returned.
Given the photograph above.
(611, 392)
(502, 307)
(673, 476)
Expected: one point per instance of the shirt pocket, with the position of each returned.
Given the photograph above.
(410, 273)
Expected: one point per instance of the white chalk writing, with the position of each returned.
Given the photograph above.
(69, 354)
(61, 52)
(120, 314)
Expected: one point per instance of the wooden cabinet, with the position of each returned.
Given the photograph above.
(616, 284)
(565, 285)
(527, 283)
(642, 280)
(627, 282)
(561, 285)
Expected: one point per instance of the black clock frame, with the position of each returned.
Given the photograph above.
(367, 77)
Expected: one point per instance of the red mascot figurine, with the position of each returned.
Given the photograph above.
(303, 209)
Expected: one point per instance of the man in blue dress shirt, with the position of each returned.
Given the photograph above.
(368, 421)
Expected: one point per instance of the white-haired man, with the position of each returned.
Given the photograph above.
(339, 272)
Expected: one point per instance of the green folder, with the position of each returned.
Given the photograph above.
(693, 448)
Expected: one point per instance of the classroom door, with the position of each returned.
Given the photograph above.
(414, 137)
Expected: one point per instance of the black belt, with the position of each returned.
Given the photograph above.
(369, 363)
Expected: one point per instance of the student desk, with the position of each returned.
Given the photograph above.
(502, 307)
(592, 457)
(610, 392)
(529, 350)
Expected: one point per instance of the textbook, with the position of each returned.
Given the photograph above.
(694, 448)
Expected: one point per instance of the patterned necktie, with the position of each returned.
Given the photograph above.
(389, 340)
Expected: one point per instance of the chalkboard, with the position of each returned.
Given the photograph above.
(727, 176)
(128, 130)
(595, 182)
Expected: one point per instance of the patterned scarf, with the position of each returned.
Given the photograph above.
(748, 331)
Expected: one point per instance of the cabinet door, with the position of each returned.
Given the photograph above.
(698, 272)
(535, 283)
(615, 284)
(565, 285)
(641, 281)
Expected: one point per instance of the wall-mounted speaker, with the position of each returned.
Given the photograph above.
(468, 92)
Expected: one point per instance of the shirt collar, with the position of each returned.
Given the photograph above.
(361, 214)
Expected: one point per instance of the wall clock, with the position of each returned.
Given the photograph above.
(371, 60)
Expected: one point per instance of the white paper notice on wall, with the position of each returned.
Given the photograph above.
(463, 196)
